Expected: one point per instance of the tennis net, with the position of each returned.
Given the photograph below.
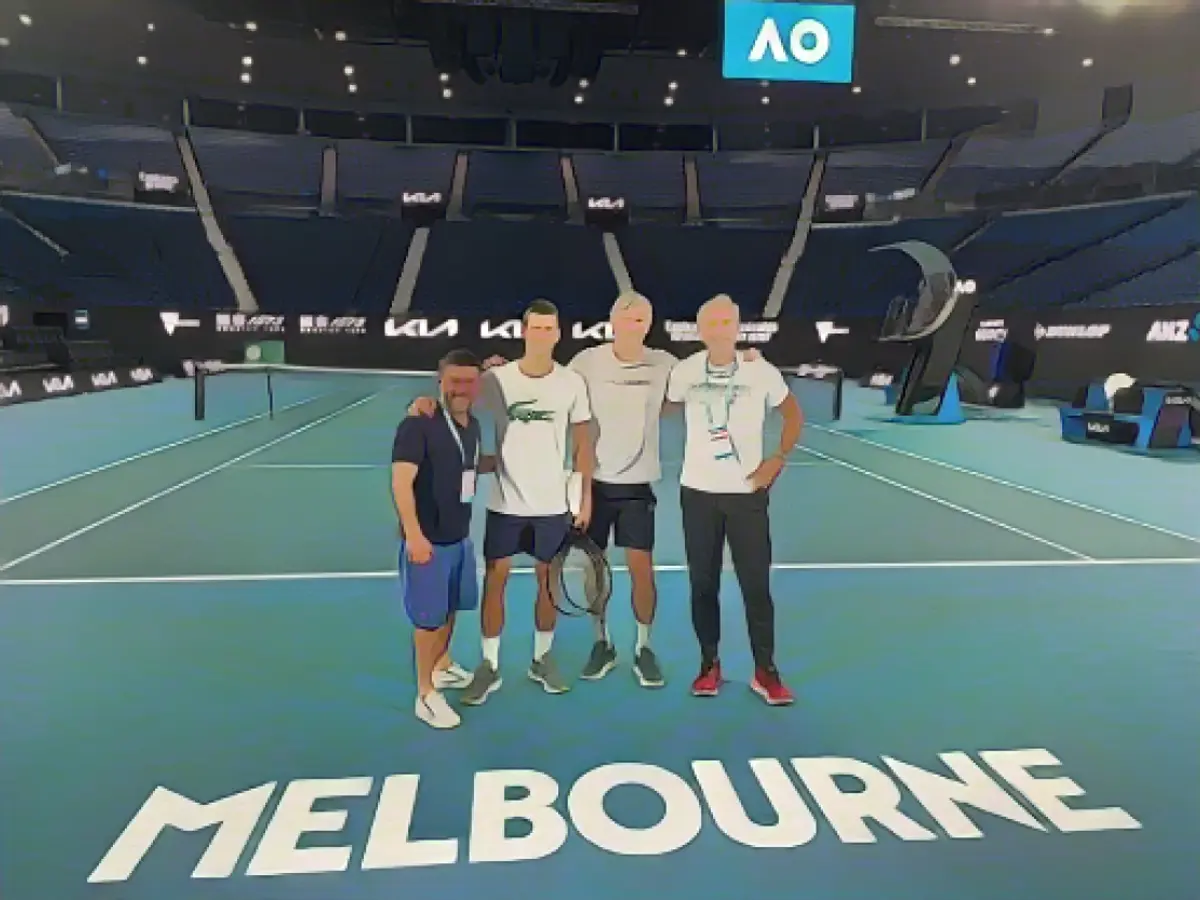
(238, 390)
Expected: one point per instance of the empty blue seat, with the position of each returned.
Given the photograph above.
(130, 254)
(111, 148)
(1017, 241)
(1123, 255)
(320, 264)
(1167, 142)
(528, 182)
(1176, 282)
(752, 185)
(647, 181)
(372, 170)
(495, 268)
(263, 164)
(1003, 162)
(881, 171)
(21, 156)
(680, 267)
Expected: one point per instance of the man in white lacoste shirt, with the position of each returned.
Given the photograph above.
(536, 405)
(724, 488)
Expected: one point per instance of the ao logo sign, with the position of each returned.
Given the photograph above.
(789, 41)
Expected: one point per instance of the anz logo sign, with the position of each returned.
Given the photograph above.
(789, 41)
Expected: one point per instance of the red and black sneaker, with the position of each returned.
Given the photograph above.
(708, 682)
(771, 688)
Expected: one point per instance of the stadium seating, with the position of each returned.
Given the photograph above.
(372, 173)
(681, 267)
(21, 156)
(259, 165)
(1175, 282)
(881, 171)
(496, 268)
(514, 182)
(1015, 242)
(107, 149)
(320, 264)
(651, 183)
(117, 254)
(989, 163)
(1168, 142)
(516, 246)
(1141, 247)
(751, 187)
(838, 275)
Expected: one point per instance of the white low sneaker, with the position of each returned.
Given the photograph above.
(434, 711)
(452, 678)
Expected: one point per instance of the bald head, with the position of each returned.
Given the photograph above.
(718, 322)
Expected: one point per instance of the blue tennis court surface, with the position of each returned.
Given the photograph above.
(206, 688)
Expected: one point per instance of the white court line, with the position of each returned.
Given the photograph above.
(150, 452)
(182, 484)
(1016, 486)
(316, 466)
(387, 574)
(352, 466)
(954, 506)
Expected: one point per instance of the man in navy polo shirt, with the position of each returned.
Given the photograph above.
(435, 462)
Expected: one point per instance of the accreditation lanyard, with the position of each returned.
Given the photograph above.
(467, 492)
(719, 438)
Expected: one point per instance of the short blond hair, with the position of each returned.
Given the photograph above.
(629, 300)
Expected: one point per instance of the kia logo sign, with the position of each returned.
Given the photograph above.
(10, 390)
(1098, 428)
(419, 328)
(104, 380)
(789, 41)
(419, 199)
(607, 203)
(141, 376)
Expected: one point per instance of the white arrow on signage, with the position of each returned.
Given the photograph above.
(173, 320)
(826, 330)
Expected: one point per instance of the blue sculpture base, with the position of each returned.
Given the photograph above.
(950, 412)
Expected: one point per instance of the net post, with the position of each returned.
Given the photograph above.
(270, 396)
(837, 394)
(198, 378)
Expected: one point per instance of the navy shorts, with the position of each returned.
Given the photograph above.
(624, 512)
(538, 536)
(445, 585)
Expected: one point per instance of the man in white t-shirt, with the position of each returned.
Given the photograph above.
(724, 488)
(536, 406)
(627, 384)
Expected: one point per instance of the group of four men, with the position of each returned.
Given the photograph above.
(607, 402)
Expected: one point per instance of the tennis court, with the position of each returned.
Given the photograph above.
(206, 690)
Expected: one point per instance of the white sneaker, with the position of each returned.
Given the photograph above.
(434, 711)
(452, 678)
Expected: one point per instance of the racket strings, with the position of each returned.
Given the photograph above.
(580, 578)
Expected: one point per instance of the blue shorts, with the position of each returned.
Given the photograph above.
(445, 585)
(539, 536)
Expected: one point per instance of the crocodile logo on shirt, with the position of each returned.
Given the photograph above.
(517, 412)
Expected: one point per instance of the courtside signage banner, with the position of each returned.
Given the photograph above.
(767, 41)
(46, 385)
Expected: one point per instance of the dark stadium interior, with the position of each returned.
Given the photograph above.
(311, 201)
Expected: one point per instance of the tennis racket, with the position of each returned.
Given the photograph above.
(580, 577)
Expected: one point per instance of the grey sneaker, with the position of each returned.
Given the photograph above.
(545, 672)
(485, 682)
(602, 661)
(646, 668)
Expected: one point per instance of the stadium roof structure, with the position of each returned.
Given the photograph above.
(637, 60)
